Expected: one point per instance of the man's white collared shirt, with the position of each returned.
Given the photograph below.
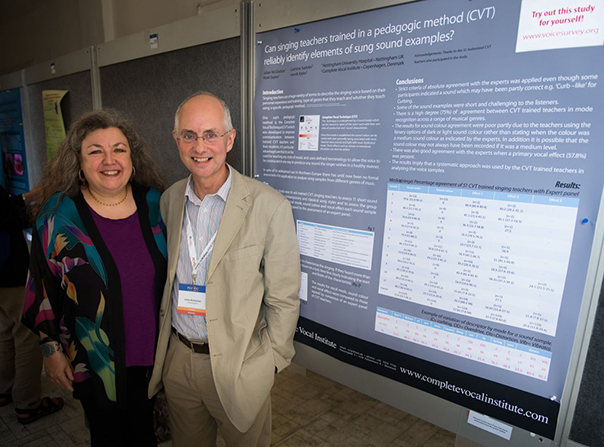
(204, 216)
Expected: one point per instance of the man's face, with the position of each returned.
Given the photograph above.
(206, 160)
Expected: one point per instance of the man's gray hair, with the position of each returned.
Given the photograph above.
(228, 123)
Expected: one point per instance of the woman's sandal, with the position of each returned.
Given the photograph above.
(47, 406)
(5, 399)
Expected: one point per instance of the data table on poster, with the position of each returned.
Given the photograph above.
(346, 246)
(515, 357)
(492, 255)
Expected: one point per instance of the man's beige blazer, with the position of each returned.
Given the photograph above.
(252, 286)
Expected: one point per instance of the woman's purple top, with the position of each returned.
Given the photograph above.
(125, 242)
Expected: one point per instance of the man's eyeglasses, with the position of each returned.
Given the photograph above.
(210, 138)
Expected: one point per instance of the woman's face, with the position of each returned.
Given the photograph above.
(106, 161)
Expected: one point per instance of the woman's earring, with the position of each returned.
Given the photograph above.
(81, 177)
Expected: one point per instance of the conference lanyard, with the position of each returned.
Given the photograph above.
(197, 263)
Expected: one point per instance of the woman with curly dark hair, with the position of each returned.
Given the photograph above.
(96, 275)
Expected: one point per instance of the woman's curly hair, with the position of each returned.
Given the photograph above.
(61, 173)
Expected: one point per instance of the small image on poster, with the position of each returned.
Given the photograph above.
(309, 133)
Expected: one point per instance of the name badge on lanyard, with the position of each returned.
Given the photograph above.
(192, 297)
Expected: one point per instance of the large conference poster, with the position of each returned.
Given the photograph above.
(444, 162)
(12, 143)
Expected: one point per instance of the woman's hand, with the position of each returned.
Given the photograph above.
(58, 370)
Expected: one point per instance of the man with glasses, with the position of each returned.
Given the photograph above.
(230, 306)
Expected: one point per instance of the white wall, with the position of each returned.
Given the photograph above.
(36, 31)
(133, 16)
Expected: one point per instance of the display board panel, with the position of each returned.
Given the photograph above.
(148, 90)
(441, 159)
(76, 102)
(14, 177)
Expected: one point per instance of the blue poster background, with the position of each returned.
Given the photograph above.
(12, 142)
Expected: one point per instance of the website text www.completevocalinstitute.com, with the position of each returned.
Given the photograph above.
(483, 397)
